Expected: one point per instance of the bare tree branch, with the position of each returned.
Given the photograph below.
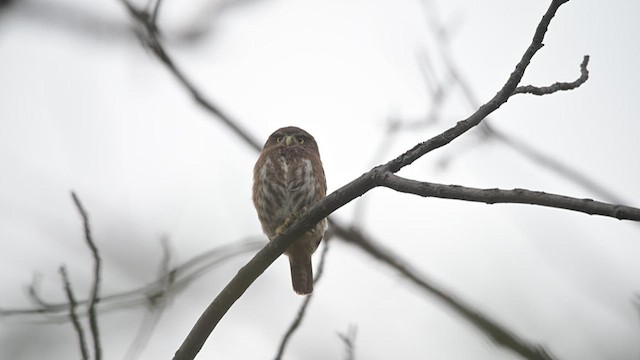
(490, 328)
(305, 303)
(179, 277)
(558, 86)
(349, 339)
(154, 14)
(34, 292)
(490, 132)
(552, 163)
(153, 42)
(72, 313)
(500, 98)
(515, 196)
(256, 266)
(95, 287)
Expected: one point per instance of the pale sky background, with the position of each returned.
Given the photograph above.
(85, 107)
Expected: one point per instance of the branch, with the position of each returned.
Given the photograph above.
(256, 266)
(349, 339)
(150, 36)
(558, 86)
(490, 328)
(500, 98)
(72, 313)
(154, 15)
(518, 145)
(155, 305)
(515, 196)
(305, 303)
(33, 290)
(95, 288)
(179, 278)
(552, 163)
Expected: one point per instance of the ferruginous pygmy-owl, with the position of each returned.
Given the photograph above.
(288, 179)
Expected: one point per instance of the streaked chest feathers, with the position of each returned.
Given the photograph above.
(287, 186)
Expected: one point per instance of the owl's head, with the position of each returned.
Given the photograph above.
(291, 136)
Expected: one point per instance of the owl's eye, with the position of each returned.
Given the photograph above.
(300, 140)
(279, 139)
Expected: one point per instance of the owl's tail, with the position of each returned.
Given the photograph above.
(301, 273)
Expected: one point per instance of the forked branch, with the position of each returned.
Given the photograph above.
(247, 274)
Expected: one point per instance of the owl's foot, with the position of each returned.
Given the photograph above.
(282, 228)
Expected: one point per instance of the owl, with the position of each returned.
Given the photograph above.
(288, 179)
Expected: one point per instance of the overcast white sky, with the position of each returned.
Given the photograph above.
(84, 107)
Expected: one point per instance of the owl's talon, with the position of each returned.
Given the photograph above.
(282, 228)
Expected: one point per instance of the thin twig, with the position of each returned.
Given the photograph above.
(34, 292)
(72, 313)
(490, 328)
(153, 42)
(558, 86)
(94, 297)
(303, 307)
(349, 341)
(155, 13)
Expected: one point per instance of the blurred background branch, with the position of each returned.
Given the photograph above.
(72, 314)
(159, 290)
(349, 340)
(495, 331)
(95, 283)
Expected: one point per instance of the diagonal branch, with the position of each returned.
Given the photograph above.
(72, 313)
(95, 288)
(491, 328)
(150, 36)
(256, 266)
(515, 196)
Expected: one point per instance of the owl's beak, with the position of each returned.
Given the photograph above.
(288, 140)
